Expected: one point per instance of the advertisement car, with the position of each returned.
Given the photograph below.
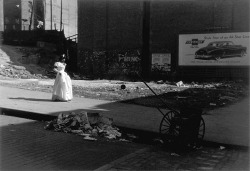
(220, 49)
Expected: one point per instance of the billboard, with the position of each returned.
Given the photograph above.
(214, 49)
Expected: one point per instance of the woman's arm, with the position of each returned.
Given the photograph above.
(55, 70)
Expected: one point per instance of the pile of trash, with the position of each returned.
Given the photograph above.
(88, 125)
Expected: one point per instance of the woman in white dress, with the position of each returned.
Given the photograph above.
(62, 90)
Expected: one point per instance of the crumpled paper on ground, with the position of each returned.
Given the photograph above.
(84, 124)
(181, 84)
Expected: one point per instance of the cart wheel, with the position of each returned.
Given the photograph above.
(169, 127)
(201, 132)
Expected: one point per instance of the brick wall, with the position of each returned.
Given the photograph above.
(110, 25)
(108, 32)
(241, 15)
(168, 19)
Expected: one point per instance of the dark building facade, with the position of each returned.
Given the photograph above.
(22, 14)
(12, 15)
(50, 14)
(117, 38)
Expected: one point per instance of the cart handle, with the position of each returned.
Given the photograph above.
(170, 108)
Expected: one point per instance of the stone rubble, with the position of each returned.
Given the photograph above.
(19, 72)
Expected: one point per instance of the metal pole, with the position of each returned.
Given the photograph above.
(31, 15)
(146, 40)
(168, 107)
(21, 16)
(61, 18)
(51, 23)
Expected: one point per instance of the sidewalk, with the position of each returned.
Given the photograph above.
(228, 125)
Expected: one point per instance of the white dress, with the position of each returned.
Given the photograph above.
(62, 90)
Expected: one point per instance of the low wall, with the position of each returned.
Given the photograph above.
(25, 37)
(111, 64)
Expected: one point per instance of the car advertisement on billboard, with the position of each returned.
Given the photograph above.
(215, 49)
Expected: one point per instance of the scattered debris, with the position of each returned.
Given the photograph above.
(180, 97)
(159, 140)
(124, 140)
(228, 98)
(78, 132)
(160, 82)
(222, 147)
(179, 84)
(209, 86)
(212, 104)
(175, 154)
(198, 148)
(85, 124)
(18, 67)
(75, 76)
(132, 136)
(110, 136)
(89, 138)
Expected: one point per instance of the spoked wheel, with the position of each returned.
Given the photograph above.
(201, 132)
(174, 128)
(198, 136)
(217, 58)
(170, 126)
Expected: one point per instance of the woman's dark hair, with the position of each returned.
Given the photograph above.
(62, 58)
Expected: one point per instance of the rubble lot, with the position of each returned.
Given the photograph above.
(206, 95)
(21, 62)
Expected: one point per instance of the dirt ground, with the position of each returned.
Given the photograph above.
(14, 72)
